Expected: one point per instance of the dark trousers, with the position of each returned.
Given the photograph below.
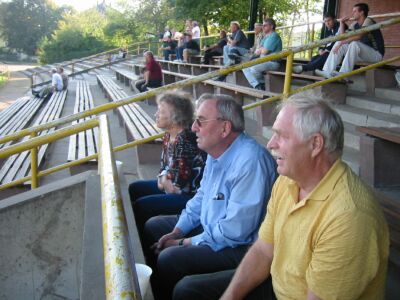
(167, 53)
(148, 201)
(175, 262)
(209, 54)
(212, 286)
(179, 52)
(317, 62)
(142, 87)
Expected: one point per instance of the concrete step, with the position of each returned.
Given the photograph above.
(351, 136)
(351, 157)
(364, 117)
(373, 103)
(388, 93)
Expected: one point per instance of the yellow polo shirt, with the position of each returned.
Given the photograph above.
(335, 242)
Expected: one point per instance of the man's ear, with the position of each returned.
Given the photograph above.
(317, 144)
(226, 128)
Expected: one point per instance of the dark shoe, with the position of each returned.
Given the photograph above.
(260, 86)
(221, 78)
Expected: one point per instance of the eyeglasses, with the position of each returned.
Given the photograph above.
(200, 122)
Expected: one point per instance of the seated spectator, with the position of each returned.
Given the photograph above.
(168, 47)
(318, 61)
(216, 49)
(167, 33)
(182, 163)
(64, 77)
(152, 75)
(56, 85)
(258, 37)
(237, 46)
(191, 48)
(366, 47)
(271, 43)
(221, 220)
(196, 32)
(324, 235)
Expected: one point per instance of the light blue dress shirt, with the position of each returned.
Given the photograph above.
(231, 201)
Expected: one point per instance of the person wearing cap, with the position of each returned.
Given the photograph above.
(271, 43)
(238, 45)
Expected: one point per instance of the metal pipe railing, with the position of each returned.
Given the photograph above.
(118, 263)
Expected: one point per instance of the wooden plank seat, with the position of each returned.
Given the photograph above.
(138, 124)
(18, 165)
(334, 91)
(18, 116)
(125, 76)
(380, 148)
(187, 68)
(84, 143)
(263, 115)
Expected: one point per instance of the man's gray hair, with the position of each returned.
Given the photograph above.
(228, 108)
(314, 115)
(182, 107)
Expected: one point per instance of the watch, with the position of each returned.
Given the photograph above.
(181, 242)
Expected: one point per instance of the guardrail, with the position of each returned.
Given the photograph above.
(289, 54)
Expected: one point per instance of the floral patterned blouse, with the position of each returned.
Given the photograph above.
(182, 161)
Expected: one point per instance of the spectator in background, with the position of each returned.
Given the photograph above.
(271, 43)
(258, 37)
(152, 75)
(188, 25)
(196, 32)
(168, 47)
(64, 77)
(182, 163)
(56, 81)
(191, 48)
(221, 220)
(324, 235)
(318, 61)
(366, 47)
(237, 45)
(216, 49)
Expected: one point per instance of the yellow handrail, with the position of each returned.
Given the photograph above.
(224, 71)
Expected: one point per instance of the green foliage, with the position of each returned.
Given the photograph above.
(24, 23)
(87, 33)
(3, 78)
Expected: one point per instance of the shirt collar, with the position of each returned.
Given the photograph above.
(227, 156)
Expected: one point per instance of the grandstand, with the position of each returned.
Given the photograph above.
(368, 103)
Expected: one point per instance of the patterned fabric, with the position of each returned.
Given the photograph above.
(182, 161)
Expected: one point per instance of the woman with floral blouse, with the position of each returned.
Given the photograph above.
(182, 163)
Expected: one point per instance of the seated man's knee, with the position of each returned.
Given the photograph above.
(187, 288)
(354, 46)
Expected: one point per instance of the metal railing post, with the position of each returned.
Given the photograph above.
(34, 165)
(288, 75)
(312, 33)
(119, 266)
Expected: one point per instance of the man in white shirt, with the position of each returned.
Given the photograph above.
(56, 81)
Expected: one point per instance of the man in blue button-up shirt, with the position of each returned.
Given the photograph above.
(222, 219)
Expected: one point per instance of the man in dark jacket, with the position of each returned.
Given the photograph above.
(318, 61)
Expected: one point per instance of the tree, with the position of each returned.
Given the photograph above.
(25, 22)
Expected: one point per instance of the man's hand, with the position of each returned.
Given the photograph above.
(322, 52)
(167, 240)
(344, 20)
(337, 47)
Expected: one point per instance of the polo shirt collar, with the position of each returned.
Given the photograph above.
(327, 184)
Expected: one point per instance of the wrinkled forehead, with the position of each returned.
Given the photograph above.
(207, 109)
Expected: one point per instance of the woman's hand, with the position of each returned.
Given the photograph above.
(167, 185)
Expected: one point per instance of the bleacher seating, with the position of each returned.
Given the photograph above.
(138, 124)
(84, 143)
(18, 166)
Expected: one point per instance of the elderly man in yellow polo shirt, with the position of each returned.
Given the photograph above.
(324, 235)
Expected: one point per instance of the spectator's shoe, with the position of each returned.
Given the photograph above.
(324, 74)
(260, 86)
(221, 78)
(298, 69)
(337, 73)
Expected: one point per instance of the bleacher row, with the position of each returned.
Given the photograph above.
(30, 111)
